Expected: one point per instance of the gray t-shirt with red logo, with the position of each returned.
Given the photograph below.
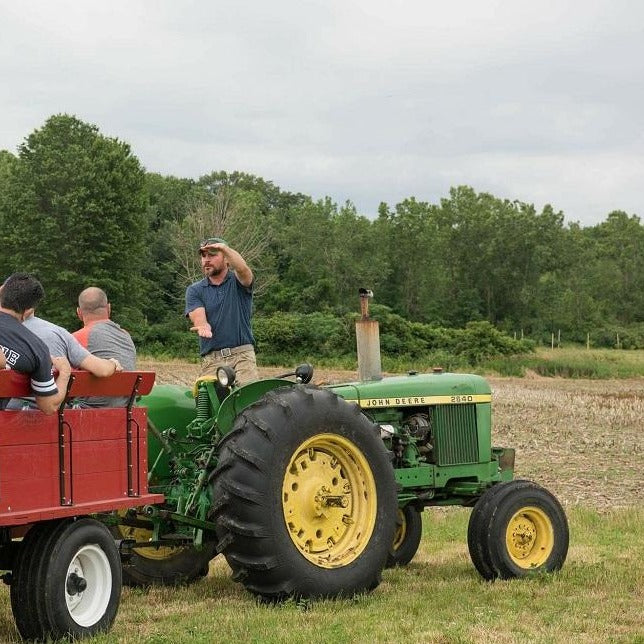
(106, 339)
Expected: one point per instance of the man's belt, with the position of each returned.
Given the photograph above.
(227, 352)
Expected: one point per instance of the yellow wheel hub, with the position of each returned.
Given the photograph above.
(329, 500)
(143, 534)
(401, 529)
(530, 537)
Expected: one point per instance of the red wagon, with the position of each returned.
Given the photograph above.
(56, 473)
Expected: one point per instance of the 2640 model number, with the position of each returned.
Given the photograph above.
(462, 398)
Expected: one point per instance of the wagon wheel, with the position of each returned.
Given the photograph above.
(71, 585)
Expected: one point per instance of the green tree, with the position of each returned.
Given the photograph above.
(168, 200)
(8, 163)
(619, 277)
(76, 216)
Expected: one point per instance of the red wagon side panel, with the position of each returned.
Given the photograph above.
(81, 461)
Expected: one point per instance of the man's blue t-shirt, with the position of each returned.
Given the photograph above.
(228, 307)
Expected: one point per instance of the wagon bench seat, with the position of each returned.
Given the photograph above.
(78, 461)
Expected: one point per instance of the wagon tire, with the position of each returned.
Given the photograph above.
(80, 585)
(24, 583)
(304, 497)
(409, 530)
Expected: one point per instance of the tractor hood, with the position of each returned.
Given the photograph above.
(417, 389)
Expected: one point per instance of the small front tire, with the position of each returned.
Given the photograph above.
(520, 529)
(409, 530)
(81, 580)
(68, 581)
(163, 565)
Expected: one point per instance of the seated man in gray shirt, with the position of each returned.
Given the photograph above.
(103, 337)
(60, 342)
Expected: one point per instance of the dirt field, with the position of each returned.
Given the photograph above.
(583, 439)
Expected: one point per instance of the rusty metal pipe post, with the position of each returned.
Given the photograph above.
(368, 341)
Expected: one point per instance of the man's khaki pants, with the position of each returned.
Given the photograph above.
(244, 364)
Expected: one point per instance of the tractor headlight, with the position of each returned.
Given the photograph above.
(225, 376)
(304, 373)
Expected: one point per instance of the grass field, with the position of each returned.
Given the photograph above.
(575, 362)
(583, 439)
(597, 597)
(565, 362)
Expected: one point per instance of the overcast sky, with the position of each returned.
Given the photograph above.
(368, 100)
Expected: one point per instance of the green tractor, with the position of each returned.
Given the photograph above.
(312, 491)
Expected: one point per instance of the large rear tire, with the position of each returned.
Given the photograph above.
(304, 497)
(519, 529)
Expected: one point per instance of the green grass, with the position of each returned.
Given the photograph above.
(572, 362)
(597, 597)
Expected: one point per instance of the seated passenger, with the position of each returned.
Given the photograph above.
(23, 350)
(60, 342)
(103, 337)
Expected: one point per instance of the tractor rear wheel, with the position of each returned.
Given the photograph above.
(409, 530)
(304, 497)
(521, 528)
(163, 565)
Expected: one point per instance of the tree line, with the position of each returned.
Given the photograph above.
(77, 208)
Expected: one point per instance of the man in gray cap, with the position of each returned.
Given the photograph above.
(220, 307)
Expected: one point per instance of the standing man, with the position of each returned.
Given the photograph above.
(103, 338)
(220, 307)
(26, 352)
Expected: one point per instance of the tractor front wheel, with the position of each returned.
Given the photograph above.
(518, 529)
(304, 497)
(409, 529)
(163, 565)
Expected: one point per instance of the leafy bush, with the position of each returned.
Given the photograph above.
(170, 339)
(285, 338)
(293, 336)
(300, 335)
(630, 337)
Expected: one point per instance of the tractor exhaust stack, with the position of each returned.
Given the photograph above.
(368, 341)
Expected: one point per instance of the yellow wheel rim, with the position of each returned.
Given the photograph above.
(530, 537)
(329, 500)
(143, 534)
(401, 529)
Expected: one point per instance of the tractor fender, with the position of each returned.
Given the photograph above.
(243, 397)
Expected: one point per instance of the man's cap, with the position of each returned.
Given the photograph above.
(212, 240)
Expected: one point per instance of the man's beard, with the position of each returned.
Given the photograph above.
(213, 272)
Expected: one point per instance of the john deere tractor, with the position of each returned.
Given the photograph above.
(312, 491)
